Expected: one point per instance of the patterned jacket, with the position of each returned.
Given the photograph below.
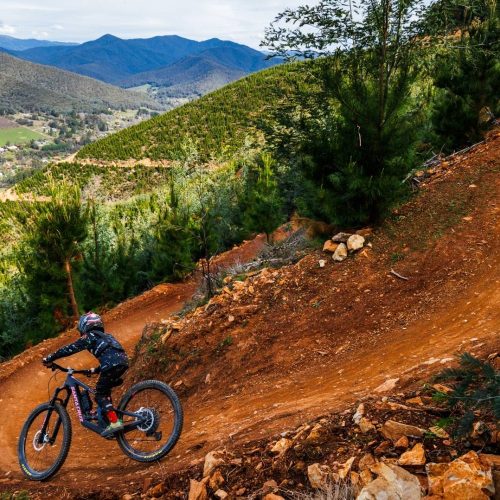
(103, 346)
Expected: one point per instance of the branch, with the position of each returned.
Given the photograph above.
(399, 275)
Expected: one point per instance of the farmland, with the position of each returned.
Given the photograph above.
(18, 135)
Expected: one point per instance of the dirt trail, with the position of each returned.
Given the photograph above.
(24, 381)
(322, 339)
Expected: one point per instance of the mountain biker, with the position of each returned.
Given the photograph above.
(112, 358)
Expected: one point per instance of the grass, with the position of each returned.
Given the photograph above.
(18, 135)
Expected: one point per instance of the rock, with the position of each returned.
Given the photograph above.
(393, 483)
(382, 448)
(341, 253)
(478, 430)
(316, 435)
(496, 480)
(402, 443)
(439, 432)
(492, 460)
(318, 475)
(212, 460)
(366, 461)
(146, 484)
(216, 480)
(157, 491)
(197, 490)
(388, 385)
(355, 242)
(272, 496)
(221, 494)
(127, 496)
(394, 430)
(346, 468)
(442, 388)
(241, 492)
(282, 446)
(330, 246)
(322, 263)
(366, 426)
(365, 477)
(415, 401)
(341, 237)
(360, 411)
(415, 456)
(466, 478)
(269, 486)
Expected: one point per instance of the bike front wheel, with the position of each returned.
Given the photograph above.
(162, 418)
(44, 441)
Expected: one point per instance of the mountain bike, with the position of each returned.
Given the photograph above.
(150, 410)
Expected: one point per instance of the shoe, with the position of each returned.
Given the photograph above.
(113, 428)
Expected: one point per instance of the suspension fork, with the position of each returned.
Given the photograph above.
(55, 399)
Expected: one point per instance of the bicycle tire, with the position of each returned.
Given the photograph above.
(27, 470)
(177, 425)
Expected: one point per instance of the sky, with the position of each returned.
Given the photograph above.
(242, 21)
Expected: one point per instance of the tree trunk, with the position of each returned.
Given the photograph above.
(71, 290)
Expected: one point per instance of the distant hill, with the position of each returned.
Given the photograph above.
(25, 86)
(175, 67)
(191, 76)
(11, 43)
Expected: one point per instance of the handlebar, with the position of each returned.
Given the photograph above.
(55, 366)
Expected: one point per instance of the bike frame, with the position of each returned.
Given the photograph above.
(70, 387)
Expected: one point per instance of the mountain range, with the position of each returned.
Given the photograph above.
(11, 43)
(162, 61)
(25, 86)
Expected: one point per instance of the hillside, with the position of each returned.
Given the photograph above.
(25, 86)
(113, 60)
(191, 76)
(302, 346)
(216, 123)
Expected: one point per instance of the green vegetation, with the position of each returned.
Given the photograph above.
(18, 135)
(475, 388)
(71, 252)
(332, 138)
(28, 87)
(467, 71)
(218, 124)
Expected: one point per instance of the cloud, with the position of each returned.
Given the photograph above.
(40, 34)
(6, 29)
(238, 20)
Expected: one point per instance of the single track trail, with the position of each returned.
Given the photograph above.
(316, 339)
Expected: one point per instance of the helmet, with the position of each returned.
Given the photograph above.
(90, 321)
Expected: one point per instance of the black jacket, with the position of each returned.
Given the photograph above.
(103, 346)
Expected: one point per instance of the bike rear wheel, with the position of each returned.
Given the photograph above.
(161, 410)
(40, 457)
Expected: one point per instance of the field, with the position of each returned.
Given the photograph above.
(18, 135)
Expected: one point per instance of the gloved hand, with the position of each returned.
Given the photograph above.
(47, 361)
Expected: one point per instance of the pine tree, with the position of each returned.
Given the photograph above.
(357, 134)
(262, 204)
(466, 70)
(50, 234)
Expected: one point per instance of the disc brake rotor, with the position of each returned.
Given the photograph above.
(36, 444)
(151, 420)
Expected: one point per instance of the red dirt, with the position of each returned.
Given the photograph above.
(313, 339)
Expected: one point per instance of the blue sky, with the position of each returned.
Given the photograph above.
(242, 21)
